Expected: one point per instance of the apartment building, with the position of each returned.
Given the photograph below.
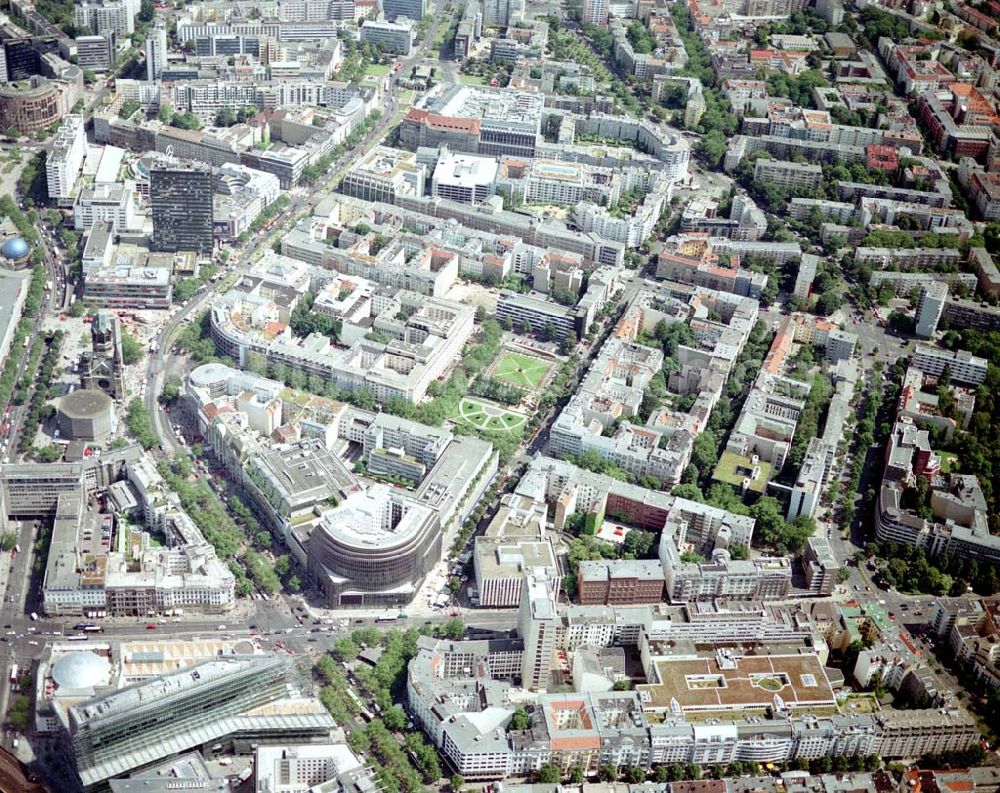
(531, 314)
(908, 258)
(746, 221)
(964, 367)
(788, 175)
(418, 350)
(104, 17)
(155, 48)
(538, 627)
(762, 579)
(971, 314)
(933, 297)
(633, 230)
(705, 261)
(984, 190)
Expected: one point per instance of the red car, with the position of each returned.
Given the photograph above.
(151, 626)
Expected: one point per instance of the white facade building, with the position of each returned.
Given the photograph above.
(156, 52)
(66, 159)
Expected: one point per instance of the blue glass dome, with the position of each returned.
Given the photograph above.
(14, 248)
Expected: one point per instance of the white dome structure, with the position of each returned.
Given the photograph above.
(81, 670)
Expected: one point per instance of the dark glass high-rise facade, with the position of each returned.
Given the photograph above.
(181, 199)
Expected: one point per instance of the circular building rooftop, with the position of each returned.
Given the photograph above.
(85, 403)
(244, 647)
(209, 375)
(81, 670)
(14, 248)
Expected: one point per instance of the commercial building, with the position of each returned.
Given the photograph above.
(13, 293)
(411, 9)
(96, 53)
(35, 102)
(243, 194)
(394, 37)
(701, 709)
(464, 178)
(245, 696)
(729, 682)
(114, 203)
(87, 574)
(187, 769)
(514, 543)
(125, 285)
(502, 13)
(382, 173)
(360, 547)
(477, 120)
(375, 547)
(316, 767)
(62, 166)
(182, 207)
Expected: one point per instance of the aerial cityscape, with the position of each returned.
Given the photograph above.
(496, 396)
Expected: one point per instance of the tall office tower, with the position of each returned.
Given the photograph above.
(537, 624)
(411, 9)
(114, 733)
(62, 167)
(932, 299)
(156, 51)
(501, 13)
(21, 59)
(181, 198)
